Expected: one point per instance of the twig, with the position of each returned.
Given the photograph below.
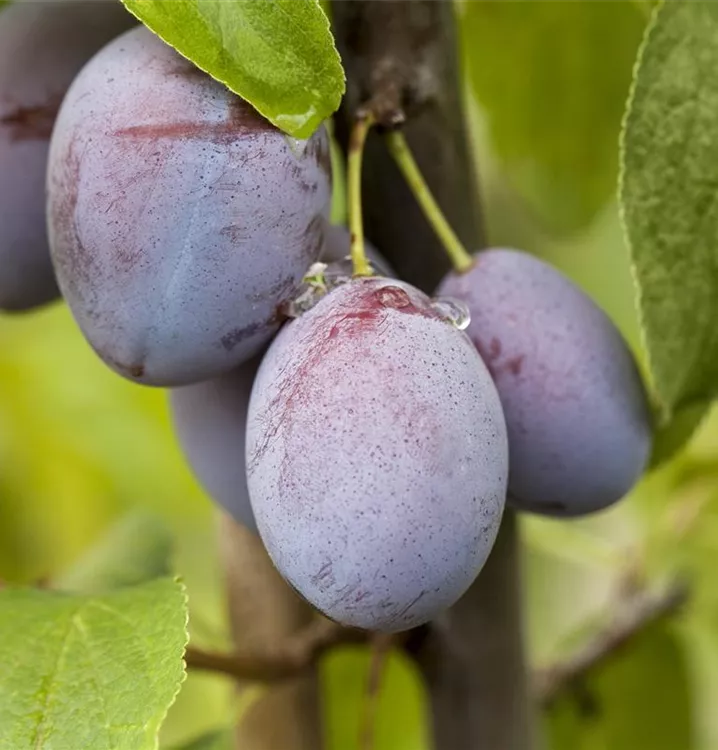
(288, 659)
(381, 644)
(632, 617)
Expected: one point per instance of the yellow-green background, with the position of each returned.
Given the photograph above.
(80, 447)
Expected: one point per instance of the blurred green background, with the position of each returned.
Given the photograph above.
(80, 448)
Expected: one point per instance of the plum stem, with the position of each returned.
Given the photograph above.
(354, 205)
(401, 153)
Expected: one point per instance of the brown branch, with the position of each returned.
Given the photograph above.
(632, 617)
(391, 64)
(289, 658)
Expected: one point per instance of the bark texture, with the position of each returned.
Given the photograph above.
(264, 611)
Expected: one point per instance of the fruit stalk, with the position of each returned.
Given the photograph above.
(399, 149)
(403, 55)
(356, 223)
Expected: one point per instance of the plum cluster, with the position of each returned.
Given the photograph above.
(352, 422)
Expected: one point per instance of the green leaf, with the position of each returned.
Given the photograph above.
(638, 698)
(669, 199)
(672, 437)
(221, 740)
(279, 55)
(137, 549)
(90, 671)
(552, 79)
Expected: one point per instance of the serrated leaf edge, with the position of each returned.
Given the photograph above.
(183, 678)
(664, 409)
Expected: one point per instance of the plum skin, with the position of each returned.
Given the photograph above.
(42, 48)
(579, 422)
(179, 219)
(377, 456)
(209, 421)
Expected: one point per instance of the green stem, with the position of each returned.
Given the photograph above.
(399, 149)
(354, 207)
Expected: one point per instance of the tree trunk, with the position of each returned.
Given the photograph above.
(263, 611)
(473, 658)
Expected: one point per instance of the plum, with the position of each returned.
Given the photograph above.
(576, 409)
(180, 220)
(376, 456)
(43, 45)
(210, 420)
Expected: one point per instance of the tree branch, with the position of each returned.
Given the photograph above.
(631, 618)
(285, 659)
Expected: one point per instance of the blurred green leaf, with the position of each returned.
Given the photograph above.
(639, 698)
(669, 197)
(137, 549)
(90, 671)
(552, 79)
(279, 56)
(221, 740)
(400, 717)
(676, 433)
